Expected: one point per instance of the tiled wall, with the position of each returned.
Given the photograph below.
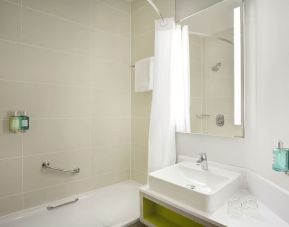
(66, 63)
(143, 17)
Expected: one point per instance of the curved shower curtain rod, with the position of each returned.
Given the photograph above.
(193, 33)
(156, 9)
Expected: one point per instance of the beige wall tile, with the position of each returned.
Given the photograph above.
(106, 46)
(74, 81)
(10, 57)
(142, 104)
(58, 101)
(10, 204)
(54, 135)
(9, 12)
(143, 45)
(111, 158)
(34, 177)
(122, 5)
(49, 66)
(141, 158)
(111, 104)
(143, 19)
(34, 198)
(42, 100)
(10, 176)
(75, 10)
(109, 19)
(10, 143)
(141, 128)
(137, 4)
(110, 75)
(51, 32)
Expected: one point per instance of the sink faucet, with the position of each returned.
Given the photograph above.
(203, 161)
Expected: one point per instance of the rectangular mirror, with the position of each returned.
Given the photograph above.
(217, 69)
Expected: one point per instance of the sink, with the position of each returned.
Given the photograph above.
(186, 182)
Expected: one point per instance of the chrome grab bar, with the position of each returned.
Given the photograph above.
(203, 115)
(46, 165)
(63, 204)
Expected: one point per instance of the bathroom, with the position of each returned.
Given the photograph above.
(87, 136)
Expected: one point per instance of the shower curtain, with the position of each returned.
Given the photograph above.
(170, 102)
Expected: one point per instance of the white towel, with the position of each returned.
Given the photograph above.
(143, 80)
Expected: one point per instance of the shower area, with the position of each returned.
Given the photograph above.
(67, 65)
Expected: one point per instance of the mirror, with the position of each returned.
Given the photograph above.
(216, 60)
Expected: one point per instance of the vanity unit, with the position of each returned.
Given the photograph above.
(186, 195)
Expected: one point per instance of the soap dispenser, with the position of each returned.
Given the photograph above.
(281, 159)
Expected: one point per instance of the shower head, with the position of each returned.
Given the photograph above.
(216, 67)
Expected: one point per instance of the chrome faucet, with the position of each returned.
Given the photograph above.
(203, 161)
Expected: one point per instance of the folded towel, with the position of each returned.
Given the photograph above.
(143, 80)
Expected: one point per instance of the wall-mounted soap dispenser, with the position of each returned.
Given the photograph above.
(281, 158)
(18, 122)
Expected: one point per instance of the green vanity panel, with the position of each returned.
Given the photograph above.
(160, 216)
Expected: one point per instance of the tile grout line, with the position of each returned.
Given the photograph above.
(22, 137)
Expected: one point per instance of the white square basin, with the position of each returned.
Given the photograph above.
(186, 182)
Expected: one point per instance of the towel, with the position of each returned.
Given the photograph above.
(143, 80)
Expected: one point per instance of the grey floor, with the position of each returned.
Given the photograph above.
(137, 224)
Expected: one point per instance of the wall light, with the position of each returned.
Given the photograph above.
(237, 68)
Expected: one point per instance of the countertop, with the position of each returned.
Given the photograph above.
(263, 217)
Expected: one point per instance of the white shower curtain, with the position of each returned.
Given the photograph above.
(171, 85)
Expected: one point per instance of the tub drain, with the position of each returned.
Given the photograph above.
(190, 186)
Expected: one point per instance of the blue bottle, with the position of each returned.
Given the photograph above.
(281, 158)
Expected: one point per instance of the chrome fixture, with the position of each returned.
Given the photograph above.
(216, 67)
(46, 165)
(203, 161)
(220, 120)
(151, 2)
(63, 204)
(203, 116)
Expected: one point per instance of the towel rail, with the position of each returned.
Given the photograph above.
(46, 165)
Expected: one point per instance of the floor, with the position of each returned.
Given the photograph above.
(138, 224)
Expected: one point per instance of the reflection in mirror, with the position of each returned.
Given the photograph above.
(216, 61)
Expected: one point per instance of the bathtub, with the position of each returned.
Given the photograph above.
(115, 205)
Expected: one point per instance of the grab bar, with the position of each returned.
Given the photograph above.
(63, 204)
(203, 115)
(46, 165)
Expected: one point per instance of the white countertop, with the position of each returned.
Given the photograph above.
(264, 217)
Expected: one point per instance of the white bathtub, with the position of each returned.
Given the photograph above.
(115, 205)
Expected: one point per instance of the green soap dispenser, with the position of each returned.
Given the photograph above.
(281, 158)
(14, 122)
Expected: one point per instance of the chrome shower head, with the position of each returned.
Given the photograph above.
(216, 67)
